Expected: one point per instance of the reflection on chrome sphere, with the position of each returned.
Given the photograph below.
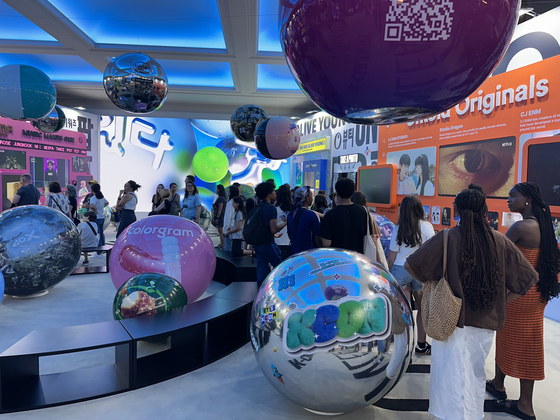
(106, 217)
(331, 331)
(136, 83)
(244, 121)
(52, 123)
(39, 247)
(205, 218)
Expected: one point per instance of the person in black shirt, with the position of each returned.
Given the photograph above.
(346, 224)
(27, 193)
(51, 174)
(267, 253)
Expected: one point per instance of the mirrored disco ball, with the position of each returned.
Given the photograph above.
(331, 331)
(52, 123)
(39, 247)
(277, 138)
(136, 83)
(106, 217)
(205, 218)
(25, 92)
(148, 294)
(244, 121)
(388, 61)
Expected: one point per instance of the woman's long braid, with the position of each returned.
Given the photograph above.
(479, 256)
(549, 259)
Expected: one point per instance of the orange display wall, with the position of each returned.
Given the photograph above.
(506, 132)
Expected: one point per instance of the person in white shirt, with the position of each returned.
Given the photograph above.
(97, 203)
(283, 208)
(233, 192)
(412, 231)
(235, 229)
(88, 232)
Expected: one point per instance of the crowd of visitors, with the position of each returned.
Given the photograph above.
(504, 281)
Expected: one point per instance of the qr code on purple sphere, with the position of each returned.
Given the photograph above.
(419, 20)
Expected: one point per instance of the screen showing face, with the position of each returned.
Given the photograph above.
(543, 170)
(12, 159)
(489, 163)
(375, 183)
(45, 170)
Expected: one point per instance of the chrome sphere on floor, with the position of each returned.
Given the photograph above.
(331, 356)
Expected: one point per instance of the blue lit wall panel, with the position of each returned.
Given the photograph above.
(58, 67)
(171, 23)
(276, 77)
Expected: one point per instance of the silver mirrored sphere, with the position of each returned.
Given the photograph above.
(332, 331)
(244, 120)
(52, 123)
(205, 218)
(39, 247)
(136, 83)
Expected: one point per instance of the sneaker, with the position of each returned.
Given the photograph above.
(426, 351)
(86, 262)
(219, 247)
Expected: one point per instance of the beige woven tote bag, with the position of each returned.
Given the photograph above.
(440, 307)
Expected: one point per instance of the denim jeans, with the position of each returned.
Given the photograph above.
(262, 262)
(100, 223)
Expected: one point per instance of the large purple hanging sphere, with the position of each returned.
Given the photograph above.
(277, 138)
(389, 61)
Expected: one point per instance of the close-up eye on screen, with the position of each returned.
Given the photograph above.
(489, 163)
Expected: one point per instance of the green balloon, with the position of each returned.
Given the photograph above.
(210, 164)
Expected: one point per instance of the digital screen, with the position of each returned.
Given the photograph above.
(10, 185)
(377, 184)
(543, 169)
(81, 164)
(489, 163)
(45, 170)
(12, 159)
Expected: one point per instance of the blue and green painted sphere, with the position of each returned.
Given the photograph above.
(25, 92)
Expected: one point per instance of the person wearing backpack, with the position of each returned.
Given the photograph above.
(260, 228)
(88, 232)
(303, 224)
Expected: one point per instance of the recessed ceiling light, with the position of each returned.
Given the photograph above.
(294, 118)
(313, 112)
(81, 108)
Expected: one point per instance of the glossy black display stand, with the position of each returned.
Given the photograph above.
(198, 334)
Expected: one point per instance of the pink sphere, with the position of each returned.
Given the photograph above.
(388, 61)
(169, 245)
(277, 138)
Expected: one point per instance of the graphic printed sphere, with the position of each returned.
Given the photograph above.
(334, 312)
(136, 83)
(244, 121)
(148, 294)
(277, 138)
(25, 92)
(39, 247)
(384, 62)
(169, 245)
(52, 123)
(386, 227)
(210, 164)
(247, 191)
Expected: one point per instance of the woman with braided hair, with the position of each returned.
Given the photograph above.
(534, 235)
(482, 265)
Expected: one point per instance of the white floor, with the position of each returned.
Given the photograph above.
(232, 388)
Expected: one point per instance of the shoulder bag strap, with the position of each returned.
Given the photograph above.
(367, 221)
(445, 240)
(92, 229)
(55, 202)
(34, 193)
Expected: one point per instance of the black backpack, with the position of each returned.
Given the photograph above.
(255, 231)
